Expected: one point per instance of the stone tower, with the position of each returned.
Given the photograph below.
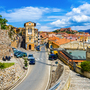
(29, 35)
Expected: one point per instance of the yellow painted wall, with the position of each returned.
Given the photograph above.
(31, 23)
(54, 45)
(32, 46)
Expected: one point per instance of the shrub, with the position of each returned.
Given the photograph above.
(24, 55)
(26, 63)
(24, 58)
(85, 66)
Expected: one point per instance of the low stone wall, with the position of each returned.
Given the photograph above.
(9, 76)
(86, 74)
(65, 79)
(62, 78)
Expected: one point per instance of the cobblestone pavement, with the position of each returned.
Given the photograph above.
(78, 82)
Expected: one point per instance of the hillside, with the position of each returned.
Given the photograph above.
(84, 31)
(67, 30)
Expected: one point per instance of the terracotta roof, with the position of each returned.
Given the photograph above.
(61, 41)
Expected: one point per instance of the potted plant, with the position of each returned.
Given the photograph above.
(25, 64)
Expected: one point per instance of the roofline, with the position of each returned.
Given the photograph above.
(31, 22)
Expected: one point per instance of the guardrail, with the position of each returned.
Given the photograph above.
(55, 86)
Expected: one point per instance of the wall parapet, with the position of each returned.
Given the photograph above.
(86, 74)
(64, 81)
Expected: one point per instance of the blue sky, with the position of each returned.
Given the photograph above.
(48, 15)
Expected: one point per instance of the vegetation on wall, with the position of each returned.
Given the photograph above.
(85, 66)
(11, 33)
(3, 22)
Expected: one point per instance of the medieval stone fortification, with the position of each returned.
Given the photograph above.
(5, 46)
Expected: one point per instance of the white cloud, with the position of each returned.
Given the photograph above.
(24, 14)
(45, 28)
(61, 23)
(82, 9)
(56, 10)
(80, 27)
(27, 13)
(7, 24)
(80, 14)
(38, 24)
(80, 18)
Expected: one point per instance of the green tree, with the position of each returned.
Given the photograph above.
(3, 22)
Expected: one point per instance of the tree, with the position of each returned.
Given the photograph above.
(3, 22)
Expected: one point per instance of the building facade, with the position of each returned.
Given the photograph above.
(30, 35)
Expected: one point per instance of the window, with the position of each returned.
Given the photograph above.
(29, 31)
(29, 38)
(29, 23)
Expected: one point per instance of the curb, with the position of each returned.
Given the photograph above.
(22, 78)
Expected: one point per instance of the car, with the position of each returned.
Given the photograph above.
(21, 54)
(15, 51)
(29, 56)
(38, 48)
(52, 57)
(15, 54)
(32, 60)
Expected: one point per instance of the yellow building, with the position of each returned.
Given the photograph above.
(23, 32)
(29, 35)
(36, 36)
(17, 30)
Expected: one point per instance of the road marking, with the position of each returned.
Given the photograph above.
(39, 59)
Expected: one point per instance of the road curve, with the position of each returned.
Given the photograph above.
(39, 75)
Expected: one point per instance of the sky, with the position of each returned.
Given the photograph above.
(48, 15)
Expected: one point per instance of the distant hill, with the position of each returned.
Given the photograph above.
(66, 30)
(88, 30)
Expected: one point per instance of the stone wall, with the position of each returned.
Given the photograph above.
(75, 45)
(5, 47)
(86, 74)
(9, 76)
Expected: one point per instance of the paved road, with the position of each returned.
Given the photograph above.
(39, 75)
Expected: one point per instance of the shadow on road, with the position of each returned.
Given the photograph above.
(45, 63)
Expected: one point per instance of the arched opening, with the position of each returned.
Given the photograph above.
(29, 47)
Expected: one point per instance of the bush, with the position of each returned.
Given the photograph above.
(24, 55)
(26, 63)
(24, 58)
(85, 66)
